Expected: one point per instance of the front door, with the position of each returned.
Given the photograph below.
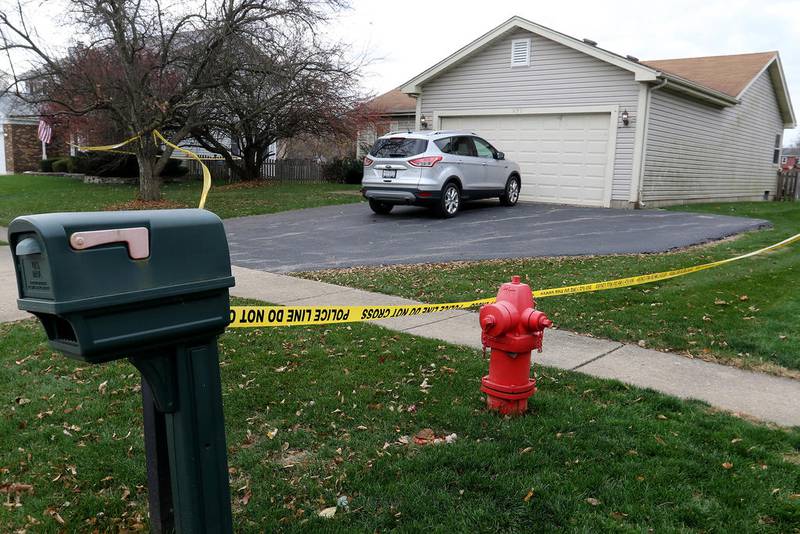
(495, 175)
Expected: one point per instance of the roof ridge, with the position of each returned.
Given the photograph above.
(772, 52)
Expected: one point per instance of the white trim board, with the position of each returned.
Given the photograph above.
(613, 112)
(437, 115)
(637, 168)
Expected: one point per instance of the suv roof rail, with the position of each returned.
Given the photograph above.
(438, 132)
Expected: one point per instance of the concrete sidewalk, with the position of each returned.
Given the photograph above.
(8, 288)
(762, 396)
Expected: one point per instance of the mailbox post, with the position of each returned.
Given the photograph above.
(152, 287)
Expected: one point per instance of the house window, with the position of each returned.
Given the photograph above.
(776, 154)
(520, 52)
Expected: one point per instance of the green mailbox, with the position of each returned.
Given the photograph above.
(150, 286)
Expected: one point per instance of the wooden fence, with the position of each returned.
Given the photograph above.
(292, 170)
(219, 169)
(282, 170)
(788, 185)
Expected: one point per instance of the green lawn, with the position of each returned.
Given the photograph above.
(745, 313)
(24, 194)
(313, 413)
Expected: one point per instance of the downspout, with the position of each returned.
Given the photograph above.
(418, 111)
(639, 202)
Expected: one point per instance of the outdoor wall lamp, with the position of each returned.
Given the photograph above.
(423, 122)
(625, 118)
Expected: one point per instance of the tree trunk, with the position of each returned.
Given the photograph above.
(149, 180)
(251, 168)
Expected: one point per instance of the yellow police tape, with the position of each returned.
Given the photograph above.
(156, 138)
(270, 316)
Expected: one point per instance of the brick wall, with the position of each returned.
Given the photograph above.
(24, 150)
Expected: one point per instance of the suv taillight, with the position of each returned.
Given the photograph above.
(427, 161)
(367, 161)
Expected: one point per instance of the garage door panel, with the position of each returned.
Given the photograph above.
(563, 158)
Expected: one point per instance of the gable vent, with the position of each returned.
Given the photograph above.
(520, 52)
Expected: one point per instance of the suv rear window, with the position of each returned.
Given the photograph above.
(398, 147)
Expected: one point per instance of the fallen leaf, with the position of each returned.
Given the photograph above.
(272, 433)
(328, 513)
(720, 302)
(794, 496)
(526, 450)
(727, 465)
(736, 440)
(102, 388)
(424, 436)
(592, 501)
(527, 497)
(246, 497)
(52, 512)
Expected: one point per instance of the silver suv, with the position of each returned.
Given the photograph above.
(437, 169)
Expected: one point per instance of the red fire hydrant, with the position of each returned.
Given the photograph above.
(512, 328)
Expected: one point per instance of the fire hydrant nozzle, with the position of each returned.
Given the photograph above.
(512, 327)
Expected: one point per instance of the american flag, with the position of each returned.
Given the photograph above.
(45, 132)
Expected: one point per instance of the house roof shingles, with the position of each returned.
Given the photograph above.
(394, 101)
(727, 74)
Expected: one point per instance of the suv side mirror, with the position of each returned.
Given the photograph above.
(500, 155)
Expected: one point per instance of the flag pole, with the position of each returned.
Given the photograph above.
(44, 151)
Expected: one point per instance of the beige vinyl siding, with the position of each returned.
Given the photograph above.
(697, 152)
(558, 77)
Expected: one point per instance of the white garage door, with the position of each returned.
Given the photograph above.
(562, 158)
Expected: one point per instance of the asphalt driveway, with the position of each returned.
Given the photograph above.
(350, 235)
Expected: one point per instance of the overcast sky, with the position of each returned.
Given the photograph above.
(404, 38)
(408, 37)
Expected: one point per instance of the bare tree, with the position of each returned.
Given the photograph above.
(290, 86)
(146, 64)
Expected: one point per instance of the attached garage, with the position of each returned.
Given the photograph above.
(592, 128)
(565, 158)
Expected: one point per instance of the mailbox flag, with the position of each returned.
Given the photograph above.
(45, 132)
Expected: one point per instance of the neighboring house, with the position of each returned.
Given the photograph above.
(21, 149)
(594, 128)
(789, 152)
(390, 112)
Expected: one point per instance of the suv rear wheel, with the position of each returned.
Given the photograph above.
(511, 194)
(381, 208)
(450, 202)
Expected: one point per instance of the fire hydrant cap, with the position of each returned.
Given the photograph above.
(535, 320)
(497, 318)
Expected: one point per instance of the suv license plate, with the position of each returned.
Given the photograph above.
(389, 174)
